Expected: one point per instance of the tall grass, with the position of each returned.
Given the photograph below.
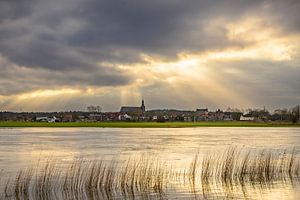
(250, 166)
(147, 177)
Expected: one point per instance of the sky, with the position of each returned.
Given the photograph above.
(63, 55)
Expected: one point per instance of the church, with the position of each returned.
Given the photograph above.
(133, 110)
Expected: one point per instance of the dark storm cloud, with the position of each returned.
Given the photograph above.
(57, 34)
(16, 79)
(61, 42)
(157, 27)
(284, 13)
(14, 9)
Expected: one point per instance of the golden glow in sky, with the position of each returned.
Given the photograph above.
(48, 93)
(190, 75)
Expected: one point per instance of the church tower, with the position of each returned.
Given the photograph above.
(143, 106)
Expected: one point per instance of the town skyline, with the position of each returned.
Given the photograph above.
(140, 113)
(98, 108)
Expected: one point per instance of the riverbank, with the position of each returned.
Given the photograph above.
(146, 124)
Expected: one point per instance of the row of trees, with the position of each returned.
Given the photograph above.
(295, 114)
(292, 114)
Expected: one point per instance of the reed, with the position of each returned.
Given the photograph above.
(147, 176)
(252, 166)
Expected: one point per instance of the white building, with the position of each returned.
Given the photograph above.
(124, 117)
(46, 119)
(242, 118)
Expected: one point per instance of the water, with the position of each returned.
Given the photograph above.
(24, 147)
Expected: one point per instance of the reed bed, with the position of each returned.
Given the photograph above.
(147, 177)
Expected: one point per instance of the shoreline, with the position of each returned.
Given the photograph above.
(13, 124)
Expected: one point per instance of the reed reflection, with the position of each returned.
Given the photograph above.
(234, 174)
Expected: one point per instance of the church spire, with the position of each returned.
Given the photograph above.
(143, 106)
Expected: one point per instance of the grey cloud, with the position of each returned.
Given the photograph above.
(60, 42)
(17, 79)
(154, 27)
(15, 9)
(267, 83)
(46, 38)
(165, 27)
(284, 13)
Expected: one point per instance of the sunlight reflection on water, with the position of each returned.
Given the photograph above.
(20, 148)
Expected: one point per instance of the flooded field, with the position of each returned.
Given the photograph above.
(183, 163)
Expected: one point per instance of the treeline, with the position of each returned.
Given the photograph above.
(291, 115)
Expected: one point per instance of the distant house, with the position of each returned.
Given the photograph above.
(133, 110)
(124, 117)
(202, 114)
(41, 119)
(154, 118)
(187, 119)
(243, 118)
(201, 110)
(46, 119)
(67, 118)
(95, 117)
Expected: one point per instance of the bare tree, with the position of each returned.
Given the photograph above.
(295, 114)
(94, 109)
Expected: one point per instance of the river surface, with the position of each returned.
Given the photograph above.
(25, 147)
